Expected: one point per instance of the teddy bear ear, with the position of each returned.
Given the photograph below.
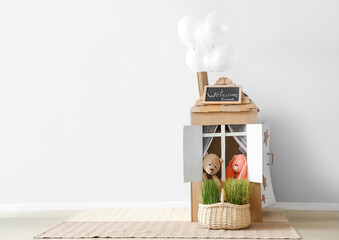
(221, 161)
(206, 154)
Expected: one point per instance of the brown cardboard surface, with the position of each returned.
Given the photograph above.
(202, 82)
(223, 81)
(195, 200)
(232, 108)
(255, 202)
(223, 108)
(220, 118)
(199, 102)
(203, 109)
(251, 105)
(213, 108)
(244, 100)
(200, 107)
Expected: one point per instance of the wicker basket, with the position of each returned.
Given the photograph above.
(224, 215)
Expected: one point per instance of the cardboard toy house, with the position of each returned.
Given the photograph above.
(227, 129)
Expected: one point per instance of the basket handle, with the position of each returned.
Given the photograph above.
(222, 195)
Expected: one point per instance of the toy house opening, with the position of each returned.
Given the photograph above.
(225, 141)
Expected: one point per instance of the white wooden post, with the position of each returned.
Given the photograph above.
(223, 152)
(254, 153)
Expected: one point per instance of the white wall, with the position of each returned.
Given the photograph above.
(79, 115)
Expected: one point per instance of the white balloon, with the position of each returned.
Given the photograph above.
(215, 29)
(221, 59)
(198, 59)
(205, 46)
(190, 31)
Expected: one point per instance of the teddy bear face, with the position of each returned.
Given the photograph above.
(238, 164)
(212, 164)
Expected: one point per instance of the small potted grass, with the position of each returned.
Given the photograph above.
(225, 209)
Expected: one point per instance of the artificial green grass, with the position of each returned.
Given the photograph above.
(237, 191)
(209, 192)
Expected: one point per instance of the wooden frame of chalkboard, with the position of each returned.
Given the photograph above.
(222, 94)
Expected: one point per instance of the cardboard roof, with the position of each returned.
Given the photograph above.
(246, 103)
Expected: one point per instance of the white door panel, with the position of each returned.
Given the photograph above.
(267, 194)
(254, 152)
(193, 152)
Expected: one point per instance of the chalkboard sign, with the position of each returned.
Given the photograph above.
(222, 94)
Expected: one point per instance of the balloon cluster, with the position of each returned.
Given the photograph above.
(208, 42)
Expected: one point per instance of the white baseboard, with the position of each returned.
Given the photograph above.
(305, 206)
(80, 206)
(183, 204)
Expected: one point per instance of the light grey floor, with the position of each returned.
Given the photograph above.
(25, 225)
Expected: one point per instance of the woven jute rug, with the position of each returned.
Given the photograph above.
(162, 223)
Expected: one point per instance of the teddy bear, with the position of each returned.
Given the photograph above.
(237, 167)
(211, 164)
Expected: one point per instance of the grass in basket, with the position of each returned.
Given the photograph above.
(209, 192)
(237, 191)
